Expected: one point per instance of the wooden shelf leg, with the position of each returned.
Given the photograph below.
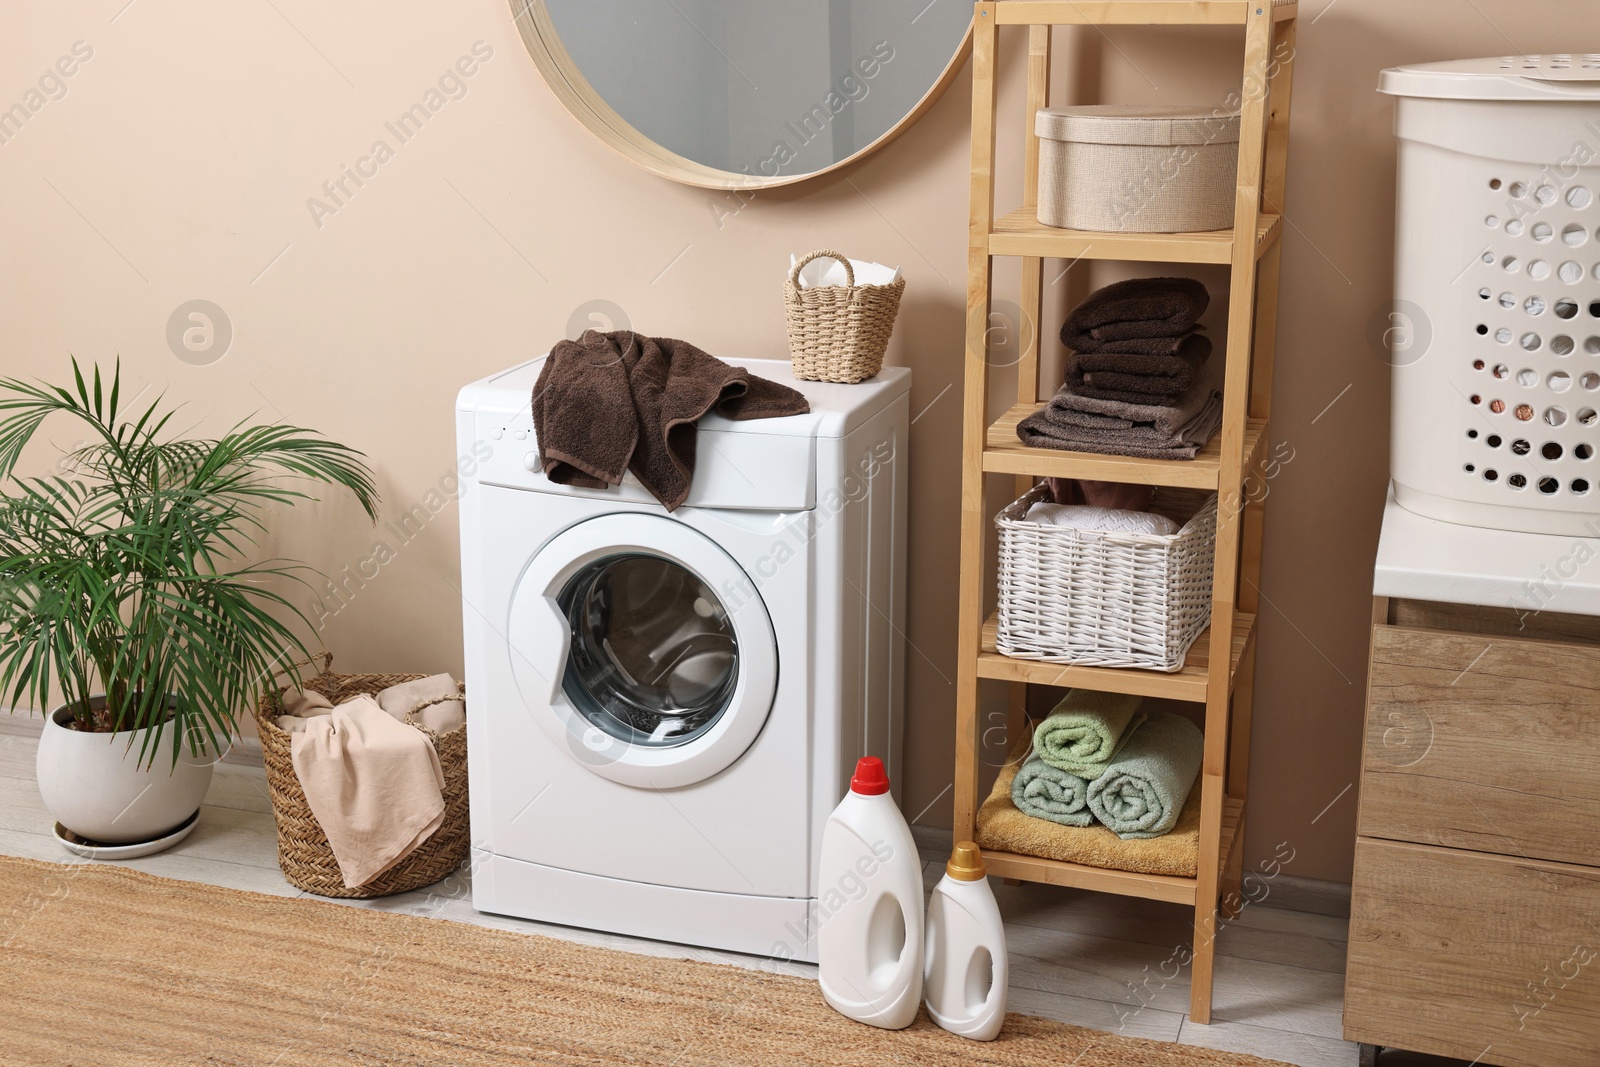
(975, 425)
(1237, 373)
(1207, 892)
(1030, 303)
(1232, 901)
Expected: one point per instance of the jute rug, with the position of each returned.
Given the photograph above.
(104, 965)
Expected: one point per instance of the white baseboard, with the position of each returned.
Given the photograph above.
(1289, 893)
(19, 722)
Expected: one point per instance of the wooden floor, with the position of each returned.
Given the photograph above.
(1106, 962)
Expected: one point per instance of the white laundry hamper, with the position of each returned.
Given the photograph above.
(1495, 331)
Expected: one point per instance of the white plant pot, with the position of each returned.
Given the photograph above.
(95, 786)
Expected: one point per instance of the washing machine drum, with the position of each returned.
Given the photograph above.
(631, 659)
(653, 656)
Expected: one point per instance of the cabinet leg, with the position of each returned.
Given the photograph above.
(1369, 1055)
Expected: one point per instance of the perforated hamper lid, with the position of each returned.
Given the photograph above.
(1138, 124)
(1558, 76)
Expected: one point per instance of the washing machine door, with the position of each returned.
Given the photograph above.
(643, 650)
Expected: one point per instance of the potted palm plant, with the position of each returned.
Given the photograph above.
(129, 605)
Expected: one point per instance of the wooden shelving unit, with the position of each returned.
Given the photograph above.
(1219, 672)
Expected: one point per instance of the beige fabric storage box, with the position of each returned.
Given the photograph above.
(1137, 168)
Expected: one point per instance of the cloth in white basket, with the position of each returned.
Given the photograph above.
(825, 270)
(1100, 520)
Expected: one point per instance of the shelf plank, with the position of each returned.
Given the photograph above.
(1133, 12)
(1165, 887)
(1006, 454)
(1187, 683)
(1020, 233)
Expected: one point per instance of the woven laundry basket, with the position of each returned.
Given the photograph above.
(1106, 599)
(304, 854)
(838, 333)
(1137, 168)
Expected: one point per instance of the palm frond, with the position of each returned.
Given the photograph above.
(134, 576)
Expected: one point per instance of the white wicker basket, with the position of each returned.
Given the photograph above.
(1106, 599)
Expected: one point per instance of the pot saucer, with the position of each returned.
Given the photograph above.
(132, 850)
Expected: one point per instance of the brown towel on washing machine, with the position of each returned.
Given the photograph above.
(610, 403)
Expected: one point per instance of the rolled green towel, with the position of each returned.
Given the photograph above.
(1142, 793)
(1085, 730)
(1046, 792)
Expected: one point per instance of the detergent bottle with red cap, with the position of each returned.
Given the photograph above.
(869, 906)
(964, 957)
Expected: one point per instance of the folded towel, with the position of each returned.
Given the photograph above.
(1091, 412)
(1113, 427)
(1101, 494)
(610, 403)
(1004, 827)
(441, 718)
(1100, 520)
(1140, 307)
(1143, 792)
(373, 784)
(1085, 730)
(1047, 792)
(1146, 379)
(1137, 346)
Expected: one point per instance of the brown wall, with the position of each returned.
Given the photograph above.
(180, 160)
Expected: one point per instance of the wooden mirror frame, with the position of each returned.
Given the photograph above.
(561, 74)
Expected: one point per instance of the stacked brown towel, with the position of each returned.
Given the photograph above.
(1135, 341)
(609, 403)
(1140, 379)
(1138, 308)
(1076, 423)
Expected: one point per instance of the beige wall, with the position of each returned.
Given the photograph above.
(179, 163)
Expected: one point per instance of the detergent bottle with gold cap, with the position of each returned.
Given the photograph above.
(964, 956)
(869, 906)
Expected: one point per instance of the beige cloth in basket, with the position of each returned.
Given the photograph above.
(398, 700)
(373, 783)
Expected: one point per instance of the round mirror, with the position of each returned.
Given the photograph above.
(730, 95)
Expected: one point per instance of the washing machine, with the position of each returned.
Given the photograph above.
(663, 708)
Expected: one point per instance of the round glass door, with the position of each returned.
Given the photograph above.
(653, 656)
(642, 649)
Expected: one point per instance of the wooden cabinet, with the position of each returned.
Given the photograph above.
(1475, 915)
(1486, 958)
